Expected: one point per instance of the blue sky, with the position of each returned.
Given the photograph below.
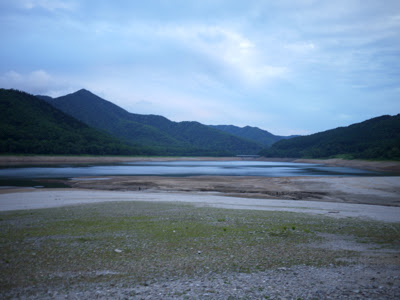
(289, 67)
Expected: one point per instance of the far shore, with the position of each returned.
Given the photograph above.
(15, 160)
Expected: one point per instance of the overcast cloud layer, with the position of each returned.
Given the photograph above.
(289, 67)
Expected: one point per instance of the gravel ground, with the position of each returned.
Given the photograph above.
(299, 282)
(139, 250)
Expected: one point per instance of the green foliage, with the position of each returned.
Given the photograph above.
(254, 134)
(162, 135)
(377, 138)
(29, 125)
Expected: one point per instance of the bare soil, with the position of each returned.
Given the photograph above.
(359, 190)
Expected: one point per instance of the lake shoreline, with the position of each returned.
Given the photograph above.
(371, 190)
(16, 160)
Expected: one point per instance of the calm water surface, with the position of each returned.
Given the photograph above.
(183, 168)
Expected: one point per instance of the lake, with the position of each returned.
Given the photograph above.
(182, 168)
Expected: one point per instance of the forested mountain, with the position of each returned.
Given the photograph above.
(254, 134)
(377, 138)
(29, 125)
(164, 136)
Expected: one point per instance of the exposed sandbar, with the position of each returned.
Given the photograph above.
(59, 197)
(361, 190)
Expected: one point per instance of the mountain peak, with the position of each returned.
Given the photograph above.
(83, 92)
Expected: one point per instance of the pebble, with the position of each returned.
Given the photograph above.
(311, 282)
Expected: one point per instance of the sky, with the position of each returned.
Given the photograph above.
(287, 66)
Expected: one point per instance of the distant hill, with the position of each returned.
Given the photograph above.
(162, 135)
(29, 125)
(254, 134)
(377, 138)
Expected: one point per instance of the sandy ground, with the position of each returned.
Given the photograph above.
(34, 199)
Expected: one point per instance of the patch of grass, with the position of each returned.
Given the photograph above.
(158, 240)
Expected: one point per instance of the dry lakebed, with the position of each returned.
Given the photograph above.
(202, 237)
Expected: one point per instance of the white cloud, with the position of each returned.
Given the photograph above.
(343, 117)
(11, 77)
(238, 54)
(35, 82)
(301, 48)
(39, 79)
(176, 60)
(51, 5)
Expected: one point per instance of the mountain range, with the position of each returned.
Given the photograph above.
(83, 123)
(165, 137)
(29, 125)
(252, 133)
(377, 138)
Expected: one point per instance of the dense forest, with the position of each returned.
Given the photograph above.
(83, 123)
(255, 134)
(165, 137)
(29, 125)
(377, 138)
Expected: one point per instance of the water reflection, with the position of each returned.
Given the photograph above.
(185, 168)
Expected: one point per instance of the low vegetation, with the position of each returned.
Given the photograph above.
(138, 243)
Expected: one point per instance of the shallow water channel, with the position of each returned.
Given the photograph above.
(181, 168)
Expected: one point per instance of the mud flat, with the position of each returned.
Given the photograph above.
(358, 190)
